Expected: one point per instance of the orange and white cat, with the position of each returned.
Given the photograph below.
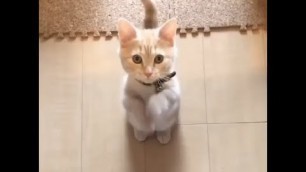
(148, 57)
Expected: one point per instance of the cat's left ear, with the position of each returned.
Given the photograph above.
(167, 31)
(126, 31)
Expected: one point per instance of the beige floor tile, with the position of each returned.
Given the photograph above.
(60, 100)
(82, 124)
(186, 151)
(102, 77)
(190, 71)
(265, 45)
(235, 77)
(238, 147)
(107, 145)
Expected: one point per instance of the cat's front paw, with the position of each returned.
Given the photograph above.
(140, 135)
(164, 136)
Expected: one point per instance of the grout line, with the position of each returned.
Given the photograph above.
(255, 122)
(209, 123)
(145, 157)
(205, 99)
(82, 107)
(203, 63)
(208, 148)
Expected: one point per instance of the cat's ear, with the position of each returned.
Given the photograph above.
(126, 31)
(167, 31)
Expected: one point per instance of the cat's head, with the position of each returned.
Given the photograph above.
(147, 54)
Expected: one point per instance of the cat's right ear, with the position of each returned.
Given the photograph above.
(126, 31)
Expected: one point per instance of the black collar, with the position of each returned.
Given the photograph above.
(159, 82)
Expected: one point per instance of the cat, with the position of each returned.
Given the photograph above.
(151, 92)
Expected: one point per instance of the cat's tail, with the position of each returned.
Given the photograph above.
(150, 20)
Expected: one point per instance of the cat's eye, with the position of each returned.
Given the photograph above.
(158, 59)
(137, 59)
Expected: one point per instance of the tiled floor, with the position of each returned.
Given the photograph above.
(223, 120)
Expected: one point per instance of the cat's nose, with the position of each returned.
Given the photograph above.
(148, 74)
(148, 71)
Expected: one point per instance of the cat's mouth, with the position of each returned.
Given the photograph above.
(158, 83)
(146, 79)
(152, 78)
(158, 80)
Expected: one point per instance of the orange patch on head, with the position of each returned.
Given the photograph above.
(148, 44)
